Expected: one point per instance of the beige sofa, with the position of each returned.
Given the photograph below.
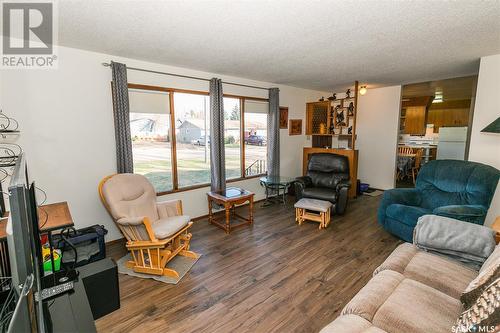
(412, 291)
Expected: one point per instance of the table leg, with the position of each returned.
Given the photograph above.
(228, 217)
(251, 210)
(267, 202)
(209, 210)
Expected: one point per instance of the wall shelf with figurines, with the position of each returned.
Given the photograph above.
(334, 116)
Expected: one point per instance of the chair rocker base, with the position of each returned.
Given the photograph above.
(152, 258)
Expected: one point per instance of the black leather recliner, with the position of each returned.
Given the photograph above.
(327, 178)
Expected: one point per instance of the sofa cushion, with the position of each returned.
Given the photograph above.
(445, 275)
(371, 297)
(394, 303)
(164, 228)
(321, 193)
(489, 272)
(414, 307)
(351, 324)
(406, 214)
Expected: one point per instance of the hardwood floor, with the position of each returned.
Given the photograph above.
(273, 277)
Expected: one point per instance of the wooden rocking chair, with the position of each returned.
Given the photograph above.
(155, 231)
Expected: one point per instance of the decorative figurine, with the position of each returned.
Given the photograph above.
(322, 99)
(339, 116)
(349, 130)
(350, 109)
(348, 93)
(333, 97)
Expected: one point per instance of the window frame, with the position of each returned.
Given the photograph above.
(173, 152)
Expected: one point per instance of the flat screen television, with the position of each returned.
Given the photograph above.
(23, 239)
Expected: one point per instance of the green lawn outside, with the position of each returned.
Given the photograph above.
(152, 159)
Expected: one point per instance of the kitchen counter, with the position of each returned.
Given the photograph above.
(419, 145)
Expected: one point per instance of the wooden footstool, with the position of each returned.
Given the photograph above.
(313, 210)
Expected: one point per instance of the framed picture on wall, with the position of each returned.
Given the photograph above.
(283, 117)
(295, 127)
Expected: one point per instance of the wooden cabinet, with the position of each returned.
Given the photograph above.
(415, 120)
(448, 118)
(334, 117)
(317, 113)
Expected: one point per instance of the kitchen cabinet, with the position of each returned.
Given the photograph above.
(415, 120)
(448, 118)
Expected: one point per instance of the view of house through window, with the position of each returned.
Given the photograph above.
(152, 133)
(255, 137)
(232, 137)
(193, 138)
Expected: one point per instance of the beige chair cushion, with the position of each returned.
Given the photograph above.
(130, 195)
(167, 208)
(443, 274)
(487, 274)
(167, 227)
(351, 324)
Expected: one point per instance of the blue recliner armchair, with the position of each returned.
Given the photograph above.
(458, 189)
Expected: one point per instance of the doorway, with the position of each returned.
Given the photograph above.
(435, 122)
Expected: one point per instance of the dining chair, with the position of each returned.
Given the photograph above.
(416, 166)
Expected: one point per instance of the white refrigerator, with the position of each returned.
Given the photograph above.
(451, 143)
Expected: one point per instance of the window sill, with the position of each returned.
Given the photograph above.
(195, 187)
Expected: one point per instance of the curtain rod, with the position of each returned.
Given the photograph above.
(105, 64)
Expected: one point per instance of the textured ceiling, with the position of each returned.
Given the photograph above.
(312, 44)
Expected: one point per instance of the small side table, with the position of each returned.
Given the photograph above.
(229, 198)
(275, 184)
(496, 226)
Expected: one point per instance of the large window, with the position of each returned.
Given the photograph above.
(192, 138)
(151, 132)
(232, 137)
(255, 137)
(171, 137)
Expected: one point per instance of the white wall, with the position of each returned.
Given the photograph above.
(377, 131)
(485, 147)
(65, 116)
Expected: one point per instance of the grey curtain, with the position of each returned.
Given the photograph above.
(124, 159)
(217, 155)
(273, 133)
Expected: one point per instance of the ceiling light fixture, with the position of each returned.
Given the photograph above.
(362, 90)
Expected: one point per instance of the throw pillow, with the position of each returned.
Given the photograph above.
(484, 314)
(488, 273)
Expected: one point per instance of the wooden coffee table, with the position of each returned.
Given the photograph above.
(229, 198)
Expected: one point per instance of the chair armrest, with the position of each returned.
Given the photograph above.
(169, 208)
(131, 220)
(304, 181)
(300, 184)
(404, 196)
(468, 213)
(343, 184)
(342, 190)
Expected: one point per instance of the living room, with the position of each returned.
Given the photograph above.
(181, 95)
